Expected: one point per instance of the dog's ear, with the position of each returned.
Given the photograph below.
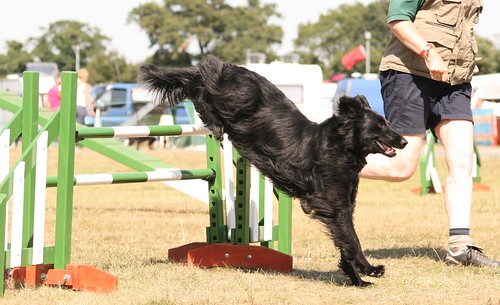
(352, 105)
(362, 100)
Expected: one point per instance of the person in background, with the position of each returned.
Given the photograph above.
(53, 100)
(425, 75)
(83, 101)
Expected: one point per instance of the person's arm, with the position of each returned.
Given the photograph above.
(88, 100)
(47, 102)
(406, 32)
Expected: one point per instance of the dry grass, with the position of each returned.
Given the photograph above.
(128, 229)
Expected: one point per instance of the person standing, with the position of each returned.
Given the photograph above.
(425, 76)
(83, 101)
(53, 100)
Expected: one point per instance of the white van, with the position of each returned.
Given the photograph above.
(302, 84)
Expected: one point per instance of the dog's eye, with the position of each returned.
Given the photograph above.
(380, 125)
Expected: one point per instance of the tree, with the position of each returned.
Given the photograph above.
(341, 30)
(110, 68)
(58, 43)
(216, 28)
(338, 31)
(16, 58)
(490, 56)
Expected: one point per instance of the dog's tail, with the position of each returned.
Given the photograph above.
(173, 85)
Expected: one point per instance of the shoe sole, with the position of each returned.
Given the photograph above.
(450, 261)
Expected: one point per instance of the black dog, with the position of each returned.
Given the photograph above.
(138, 141)
(317, 163)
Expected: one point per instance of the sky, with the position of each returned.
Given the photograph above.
(22, 19)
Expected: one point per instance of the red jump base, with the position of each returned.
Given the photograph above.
(76, 277)
(228, 255)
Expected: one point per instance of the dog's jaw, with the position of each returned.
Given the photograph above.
(385, 149)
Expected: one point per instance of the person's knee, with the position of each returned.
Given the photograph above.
(401, 175)
(392, 170)
(402, 170)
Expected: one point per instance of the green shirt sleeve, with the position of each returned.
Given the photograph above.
(403, 9)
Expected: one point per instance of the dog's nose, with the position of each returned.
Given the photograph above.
(403, 143)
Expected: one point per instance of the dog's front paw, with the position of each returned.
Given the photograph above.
(376, 271)
(362, 283)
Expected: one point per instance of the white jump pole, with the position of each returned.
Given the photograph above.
(16, 243)
(254, 204)
(255, 191)
(229, 189)
(4, 171)
(230, 197)
(40, 199)
(268, 210)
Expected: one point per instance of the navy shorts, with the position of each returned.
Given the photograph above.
(414, 104)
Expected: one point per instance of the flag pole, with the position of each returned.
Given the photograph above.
(368, 36)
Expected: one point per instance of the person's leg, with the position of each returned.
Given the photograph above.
(80, 114)
(399, 168)
(457, 138)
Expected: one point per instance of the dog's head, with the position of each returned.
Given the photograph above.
(372, 132)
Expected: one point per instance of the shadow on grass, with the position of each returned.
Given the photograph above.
(337, 277)
(398, 253)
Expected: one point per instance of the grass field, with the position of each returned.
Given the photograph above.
(127, 230)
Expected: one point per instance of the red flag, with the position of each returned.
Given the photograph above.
(353, 57)
(184, 44)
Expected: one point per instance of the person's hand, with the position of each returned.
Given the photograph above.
(476, 68)
(438, 69)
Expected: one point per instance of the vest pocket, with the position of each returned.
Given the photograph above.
(432, 33)
(448, 13)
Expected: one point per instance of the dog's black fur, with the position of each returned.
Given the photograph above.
(317, 163)
(139, 141)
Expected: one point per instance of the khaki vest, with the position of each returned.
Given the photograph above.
(448, 25)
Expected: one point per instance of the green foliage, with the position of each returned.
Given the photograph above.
(216, 27)
(60, 38)
(489, 54)
(341, 30)
(184, 31)
(16, 58)
(110, 68)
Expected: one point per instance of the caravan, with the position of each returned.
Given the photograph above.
(303, 85)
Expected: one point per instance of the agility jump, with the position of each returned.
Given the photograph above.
(246, 218)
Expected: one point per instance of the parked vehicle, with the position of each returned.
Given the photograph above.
(130, 104)
(302, 84)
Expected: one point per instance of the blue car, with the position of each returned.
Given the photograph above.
(129, 104)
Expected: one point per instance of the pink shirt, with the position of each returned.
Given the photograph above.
(54, 95)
